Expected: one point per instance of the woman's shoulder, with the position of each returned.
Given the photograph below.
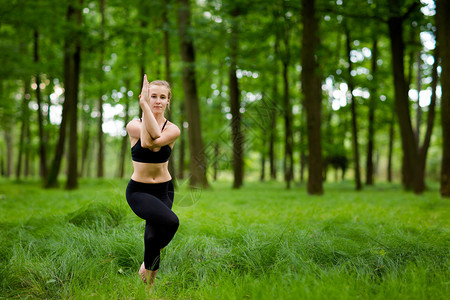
(134, 122)
(134, 127)
(172, 126)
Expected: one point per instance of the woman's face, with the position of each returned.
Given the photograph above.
(159, 98)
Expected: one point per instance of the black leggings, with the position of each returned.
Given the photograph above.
(153, 202)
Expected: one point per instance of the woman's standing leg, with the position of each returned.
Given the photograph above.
(161, 225)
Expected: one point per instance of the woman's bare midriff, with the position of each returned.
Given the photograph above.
(151, 172)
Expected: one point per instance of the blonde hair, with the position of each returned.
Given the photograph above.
(163, 83)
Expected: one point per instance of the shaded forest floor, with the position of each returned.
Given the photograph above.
(260, 242)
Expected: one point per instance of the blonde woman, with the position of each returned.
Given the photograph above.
(150, 190)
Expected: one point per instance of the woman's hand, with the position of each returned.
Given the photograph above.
(144, 97)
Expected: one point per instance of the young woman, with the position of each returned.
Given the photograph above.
(150, 190)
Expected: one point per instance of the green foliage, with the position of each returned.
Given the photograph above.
(262, 242)
(133, 39)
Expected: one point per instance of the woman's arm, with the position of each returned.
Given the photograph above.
(148, 119)
(168, 136)
(137, 131)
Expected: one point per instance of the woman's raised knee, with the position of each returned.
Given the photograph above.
(173, 222)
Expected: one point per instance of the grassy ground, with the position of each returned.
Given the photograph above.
(260, 242)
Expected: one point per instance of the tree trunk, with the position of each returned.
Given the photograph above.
(143, 43)
(410, 155)
(303, 157)
(263, 165)
(23, 128)
(288, 137)
(27, 150)
(419, 185)
(312, 97)
(123, 148)
(182, 146)
(443, 29)
(235, 104)
(288, 162)
(100, 139)
(273, 115)
(52, 179)
(85, 143)
(172, 165)
(9, 151)
(391, 148)
(371, 117)
(419, 109)
(71, 76)
(354, 115)
(42, 140)
(197, 155)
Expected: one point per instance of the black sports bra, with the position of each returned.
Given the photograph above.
(145, 155)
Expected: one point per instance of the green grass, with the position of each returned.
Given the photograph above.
(259, 242)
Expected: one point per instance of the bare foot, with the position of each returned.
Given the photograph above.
(147, 276)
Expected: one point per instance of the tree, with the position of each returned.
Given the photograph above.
(167, 62)
(72, 58)
(100, 139)
(351, 87)
(410, 154)
(42, 135)
(287, 105)
(187, 51)
(312, 101)
(235, 104)
(443, 28)
(24, 126)
(371, 115)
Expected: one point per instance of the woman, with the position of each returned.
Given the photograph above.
(150, 190)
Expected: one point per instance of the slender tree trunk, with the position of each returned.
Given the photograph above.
(172, 162)
(391, 148)
(263, 165)
(197, 155)
(288, 139)
(23, 127)
(42, 140)
(287, 105)
(419, 109)
(354, 115)
(52, 179)
(100, 139)
(329, 138)
(235, 104)
(70, 55)
(410, 153)
(312, 96)
(9, 151)
(86, 117)
(272, 160)
(443, 28)
(419, 185)
(182, 145)
(124, 146)
(27, 150)
(143, 42)
(302, 146)
(371, 117)
(72, 75)
(273, 115)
